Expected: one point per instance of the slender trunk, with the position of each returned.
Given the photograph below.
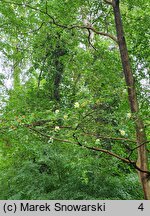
(132, 97)
(16, 76)
(59, 69)
(57, 79)
(16, 69)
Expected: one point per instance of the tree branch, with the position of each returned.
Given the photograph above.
(37, 28)
(111, 138)
(65, 26)
(95, 31)
(132, 150)
(44, 121)
(108, 2)
(84, 146)
(125, 160)
(46, 8)
(41, 122)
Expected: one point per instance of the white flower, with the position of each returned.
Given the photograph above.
(97, 141)
(65, 116)
(57, 128)
(76, 105)
(57, 111)
(50, 140)
(122, 132)
(124, 91)
(129, 115)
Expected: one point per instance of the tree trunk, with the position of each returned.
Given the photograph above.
(132, 97)
(16, 70)
(16, 76)
(59, 69)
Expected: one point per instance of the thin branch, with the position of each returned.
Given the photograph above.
(46, 7)
(37, 123)
(42, 122)
(141, 145)
(51, 137)
(108, 2)
(111, 138)
(75, 137)
(37, 28)
(94, 30)
(132, 150)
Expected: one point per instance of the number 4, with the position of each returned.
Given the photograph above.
(141, 207)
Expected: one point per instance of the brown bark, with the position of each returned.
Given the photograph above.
(133, 102)
(59, 68)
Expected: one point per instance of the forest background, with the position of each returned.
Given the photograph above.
(74, 117)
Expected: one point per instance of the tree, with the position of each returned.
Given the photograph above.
(142, 162)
